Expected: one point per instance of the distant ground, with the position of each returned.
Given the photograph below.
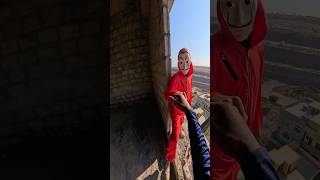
(294, 59)
(301, 30)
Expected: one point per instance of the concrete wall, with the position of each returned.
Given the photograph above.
(159, 33)
(137, 142)
(53, 67)
(130, 76)
(140, 68)
(140, 52)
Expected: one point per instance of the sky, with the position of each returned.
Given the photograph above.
(299, 7)
(190, 28)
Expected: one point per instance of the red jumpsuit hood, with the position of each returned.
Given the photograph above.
(259, 30)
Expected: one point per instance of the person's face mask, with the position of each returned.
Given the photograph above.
(184, 62)
(239, 16)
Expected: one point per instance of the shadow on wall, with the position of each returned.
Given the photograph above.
(137, 140)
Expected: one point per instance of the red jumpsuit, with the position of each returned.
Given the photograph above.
(245, 81)
(182, 83)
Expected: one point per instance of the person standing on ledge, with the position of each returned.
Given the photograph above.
(181, 81)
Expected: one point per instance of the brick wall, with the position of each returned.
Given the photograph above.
(52, 68)
(159, 33)
(130, 76)
(140, 53)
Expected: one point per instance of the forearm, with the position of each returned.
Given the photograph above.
(258, 165)
(199, 148)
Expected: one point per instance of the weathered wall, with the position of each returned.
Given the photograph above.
(159, 34)
(52, 65)
(130, 80)
(140, 51)
(139, 74)
(137, 142)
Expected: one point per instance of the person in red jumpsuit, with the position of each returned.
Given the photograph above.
(181, 81)
(237, 62)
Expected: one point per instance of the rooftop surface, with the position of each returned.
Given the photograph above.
(295, 175)
(284, 154)
(309, 110)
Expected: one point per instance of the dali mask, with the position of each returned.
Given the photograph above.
(184, 61)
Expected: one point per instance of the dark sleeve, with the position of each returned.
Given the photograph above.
(199, 148)
(258, 165)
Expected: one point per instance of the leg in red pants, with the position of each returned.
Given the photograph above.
(177, 118)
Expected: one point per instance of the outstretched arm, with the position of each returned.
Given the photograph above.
(199, 149)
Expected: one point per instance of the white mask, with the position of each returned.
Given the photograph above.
(184, 62)
(239, 16)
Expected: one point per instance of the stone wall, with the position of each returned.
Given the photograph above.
(159, 33)
(140, 69)
(53, 68)
(130, 77)
(140, 52)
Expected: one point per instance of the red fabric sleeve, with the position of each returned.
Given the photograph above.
(172, 88)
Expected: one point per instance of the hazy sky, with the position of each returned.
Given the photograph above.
(300, 7)
(190, 28)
